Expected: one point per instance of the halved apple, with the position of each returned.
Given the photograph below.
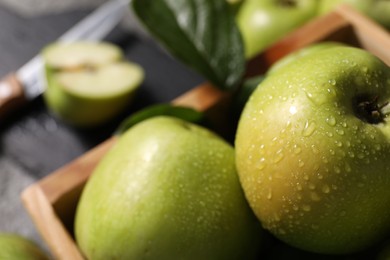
(88, 83)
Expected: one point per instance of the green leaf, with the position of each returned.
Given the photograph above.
(184, 113)
(201, 33)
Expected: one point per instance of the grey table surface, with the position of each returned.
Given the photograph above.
(33, 143)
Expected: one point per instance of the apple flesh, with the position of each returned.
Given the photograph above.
(89, 83)
(15, 247)
(167, 190)
(312, 151)
(263, 22)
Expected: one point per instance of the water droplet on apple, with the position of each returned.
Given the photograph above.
(306, 208)
(325, 189)
(312, 186)
(330, 134)
(314, 149)
(269, 194)
(316, 99)
(299, 187)
(337, 169)
(331, 121)
(338, 143)
(332, 82)
(340, 131)
(314, 196)
(314, 227)
(276, 217)
(347, 167)
(297, 149)
(261, 163)
(301, 163)
(325, 160)
(199, 219)
(279, 156)
(309, 128)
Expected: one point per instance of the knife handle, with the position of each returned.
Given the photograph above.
(11, 95)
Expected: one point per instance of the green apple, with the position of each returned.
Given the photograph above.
(15, 247)
(310, 49)
(378, 10)
(263, 22)
(88, 83)
(168, 190)
(313, 148)
(383, 250)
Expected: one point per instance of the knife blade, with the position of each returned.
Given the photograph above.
(27, 83)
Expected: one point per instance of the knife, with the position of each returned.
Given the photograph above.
(27, 83)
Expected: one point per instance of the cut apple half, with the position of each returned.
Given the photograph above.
(81, 54)
(88, 83)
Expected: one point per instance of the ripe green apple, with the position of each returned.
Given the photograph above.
(301, 53)
(312, 151)
(88, 83)
(383, 250)
(263, 22)
(168, 190)
(15, 247)
(378, 10)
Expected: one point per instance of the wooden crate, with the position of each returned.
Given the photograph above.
(51, 202)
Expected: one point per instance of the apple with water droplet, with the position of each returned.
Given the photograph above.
(378, 10)
(263, 22)
(313, 149)
(309, 49)
(168, 190)
(88, 83)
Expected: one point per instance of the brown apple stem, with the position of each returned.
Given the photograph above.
(372, 112)
(288, 3)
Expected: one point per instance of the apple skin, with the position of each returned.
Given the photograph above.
(378, 10)
(168, 190)
(316, 175)
(16, 247)
(301, 53)
(263, 22)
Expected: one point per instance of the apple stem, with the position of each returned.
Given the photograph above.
(372, 112)
(288, 3)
